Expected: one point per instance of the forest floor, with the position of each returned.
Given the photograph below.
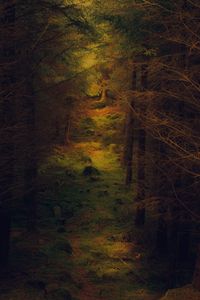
(94, 255)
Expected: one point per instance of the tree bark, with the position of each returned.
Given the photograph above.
(196, 277)
(141, 210)
(129, 137)
(128, 155)
(7, 127)
(141, 149)
(31, 159)
(5, 223)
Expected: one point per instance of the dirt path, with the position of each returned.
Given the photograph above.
(88, 290)
(106, 265)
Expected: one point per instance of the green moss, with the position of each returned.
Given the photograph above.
(98, 214)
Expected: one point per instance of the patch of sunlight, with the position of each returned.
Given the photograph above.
(108, 268)
(140, 294)
(119, 250)
(108, 110)
(102, 158)
(93, 89)
(89, 60)
(105, 258)
(82, 3)
(107, 120)
(115, 249)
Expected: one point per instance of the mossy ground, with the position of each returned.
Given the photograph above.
(98, 209)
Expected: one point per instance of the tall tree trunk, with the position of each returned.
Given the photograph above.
(129, 137)
(140, 192)
(129, 146)
(179, 240)
(173, 250)
(67, 131)
(5, 223)
(162, 189)
(196, 277)
(31, 159)
(140, 210)
(7, 128)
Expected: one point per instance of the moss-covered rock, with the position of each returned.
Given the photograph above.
(89, 171)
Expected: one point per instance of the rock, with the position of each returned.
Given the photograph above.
(89, 171)
(185, 293)
(60, 294)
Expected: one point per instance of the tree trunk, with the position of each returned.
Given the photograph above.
(162, 236)
(129, 137)
(162, 189)
(173, 250)
(140, 196)
(5, 223)
(196, 277)
(31, 159)
(67, 132)
(128, 155)
(140, 210)
(7, 127)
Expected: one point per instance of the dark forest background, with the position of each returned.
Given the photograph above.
(140, 60)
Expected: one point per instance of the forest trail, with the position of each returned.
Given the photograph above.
(106, 263)
(99, 149)
(95, 255)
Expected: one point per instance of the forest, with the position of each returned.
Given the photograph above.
(100, 150)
